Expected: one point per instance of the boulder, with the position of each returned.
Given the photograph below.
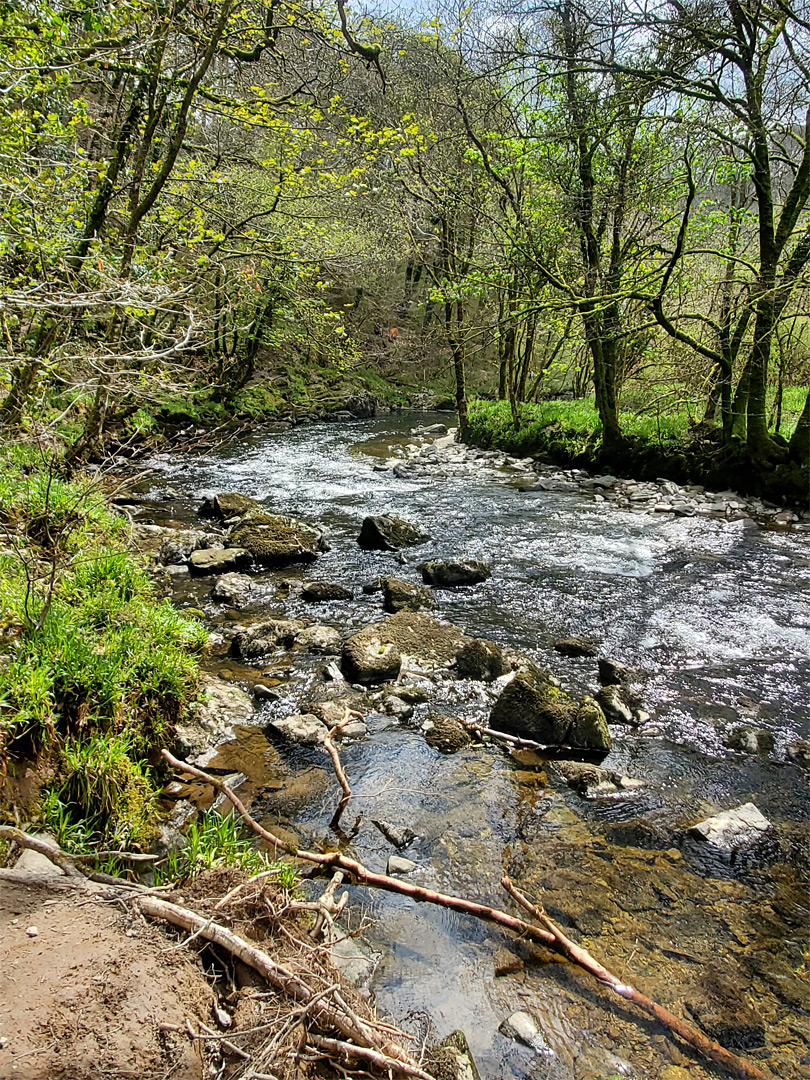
(799, 752)
(234, 589)
(278, 540)
(366, 658)
(264, 639)
(319, 639)
(445, 733)
(388, 533)
(401, 595)
(534, 708)
(177, 547)
(422, 638)
(211, 719)
(229, 504)
(301, 728)
(612, 673)
(622, 706)
(316, 592)
(732, 829)
(481, 660)
(575, 647)
(219, 561)
(451, 573)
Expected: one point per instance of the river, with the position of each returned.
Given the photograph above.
(715, 615)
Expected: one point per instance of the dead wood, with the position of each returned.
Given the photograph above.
(577, 955)
(345, 1051)
(343, 780)
(547, 934)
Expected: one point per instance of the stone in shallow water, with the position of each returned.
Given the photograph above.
(401, 595)
(319, 639)
(575, 647)
(219, 560)
(523, 1027)
(398, 865)
(387, 532)
(315, 592)
(732, 829)
(232, 589)
(367, 659)
(481, 660)
(278, 540)
(450, 573)
(301, 728)
(622, 706)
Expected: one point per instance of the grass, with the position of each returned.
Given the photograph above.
(94, 669)
(215, 840)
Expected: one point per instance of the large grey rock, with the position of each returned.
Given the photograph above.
(212, 718)
(731, 829)
(33, 862)
(319, 639)
(234, 589)
(451, 573)
(177, 547)
(264, 639)
(315, 592)
(301, 728)
(534, 708)
(387, 532)
(367, 659)
(481, 660)
(219, 560)
(278, 540)
(401, 595)
(229, 504)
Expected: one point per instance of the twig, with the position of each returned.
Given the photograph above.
(343, 780)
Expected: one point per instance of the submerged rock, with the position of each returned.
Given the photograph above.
(387, 532)
(399, 837)
(732, 829)
(536, 709)
(751, 740)
(234, 589)
(451, 573)
(401, 595)
(525, 1028)
(301, 728)
(366, 658)
(264, 639)
(591, 781)
(622, 706)
(398, 865)
(482, 660)
(724, 1013)
(315, 592)
(219, 560)
(278, 540)
(229, 504)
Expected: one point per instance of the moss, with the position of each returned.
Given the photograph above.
(276, 539)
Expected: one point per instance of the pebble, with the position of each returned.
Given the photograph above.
(32, 931)
(398, 865)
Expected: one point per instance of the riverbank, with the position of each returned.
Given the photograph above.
(567, 434)
(629, 582)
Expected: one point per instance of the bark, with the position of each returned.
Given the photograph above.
(800, 440)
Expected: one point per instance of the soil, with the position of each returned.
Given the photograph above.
(84, 997)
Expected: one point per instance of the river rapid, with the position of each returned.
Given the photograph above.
(715, 616)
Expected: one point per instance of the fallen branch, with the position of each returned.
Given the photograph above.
(350, 1026)
(577, 955)
(547, 934)
(47, 848)
(343, 780)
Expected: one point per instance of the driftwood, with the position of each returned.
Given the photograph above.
(331, 749)
(547, 933)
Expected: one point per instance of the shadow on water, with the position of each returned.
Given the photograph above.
(714, 615)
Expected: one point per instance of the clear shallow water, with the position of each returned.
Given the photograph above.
(717, 616)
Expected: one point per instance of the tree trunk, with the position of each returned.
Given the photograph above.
(800, 440)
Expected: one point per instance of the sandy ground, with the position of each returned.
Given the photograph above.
(83, 997)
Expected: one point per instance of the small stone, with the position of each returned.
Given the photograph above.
(612, 673)
(622, 706)
(575, 647)
(315, 592)
(222, 1017)
(32, 931)
(219, 560)
(482, 661)
(451, 573)
(523, 1027)
(265, 693)
(394, 834)
(301, 728)
(398, 865)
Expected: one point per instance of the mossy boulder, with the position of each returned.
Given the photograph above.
(262, 640)
(277, 540)
(532, 707)
(387, 532)
(445, 733)
(452, 573)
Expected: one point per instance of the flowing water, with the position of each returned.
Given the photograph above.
(714, 614)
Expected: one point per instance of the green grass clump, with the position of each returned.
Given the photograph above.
(215, 840)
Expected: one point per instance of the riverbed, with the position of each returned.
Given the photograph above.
(713, 614)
